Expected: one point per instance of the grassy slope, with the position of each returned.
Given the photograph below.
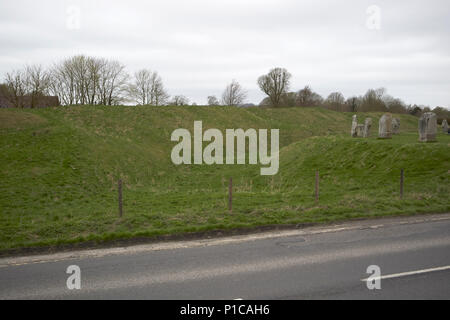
(60, 168)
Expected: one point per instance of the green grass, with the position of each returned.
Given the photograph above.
(58, 179)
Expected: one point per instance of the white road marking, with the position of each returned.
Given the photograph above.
(405, 274)
(101, 282)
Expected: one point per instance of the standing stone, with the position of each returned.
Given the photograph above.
(428, 127)
(385, 127)
(367, 126)
(360, 131)
(445, 126)
(354, 126)
(395, 126)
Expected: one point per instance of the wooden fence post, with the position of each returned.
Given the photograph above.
(120, 199)
(317, 186)
(402, 181)
(230, 195)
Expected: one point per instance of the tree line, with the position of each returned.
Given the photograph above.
(85, 80)
(276, 85)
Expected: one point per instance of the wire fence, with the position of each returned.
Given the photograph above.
(315, 184)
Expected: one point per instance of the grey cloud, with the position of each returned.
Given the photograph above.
(199, 46)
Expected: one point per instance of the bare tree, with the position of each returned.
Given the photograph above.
(82, 79)
(288, 99)
(275, 84)
(112, 83)
(147, 88)
(3, 90)
(179, 100)
(63, 83)
(353, 104)
(335, 101)
(308, 98)
(213, 101)
(140, 89)
(373, 100)
(88, 80)
(234, 94)
(15, 83)
(37, 82)
(414, 110)
(92, 84)
(394, 105)
(158, 96)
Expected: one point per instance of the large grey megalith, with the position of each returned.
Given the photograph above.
(395, 126)
(428, 127)
(367, 126)
(385, 127)
(360, 130)
(445, 126)
(354, 132)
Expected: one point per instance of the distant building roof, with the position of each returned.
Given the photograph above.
(40, 102)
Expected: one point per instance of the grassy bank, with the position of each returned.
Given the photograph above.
(60, 169)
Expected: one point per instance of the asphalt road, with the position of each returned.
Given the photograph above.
(315, 263)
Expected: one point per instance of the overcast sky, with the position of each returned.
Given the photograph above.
(198, 47)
